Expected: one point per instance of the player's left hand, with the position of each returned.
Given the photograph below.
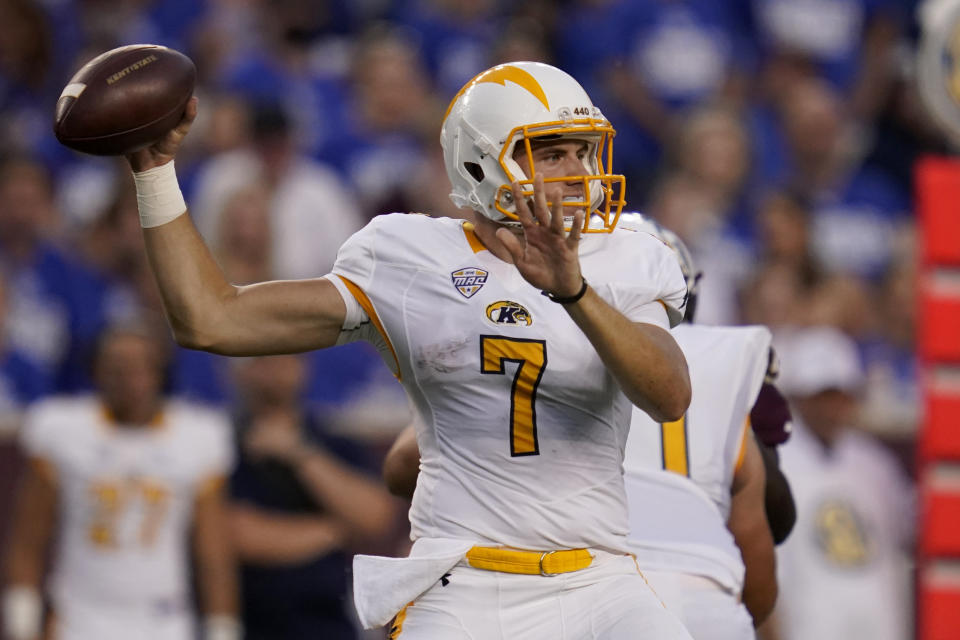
(546, 255)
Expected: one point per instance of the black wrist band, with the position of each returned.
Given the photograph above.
(570, 299)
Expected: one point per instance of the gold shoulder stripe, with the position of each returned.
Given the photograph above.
(364, 301)
(472, 239)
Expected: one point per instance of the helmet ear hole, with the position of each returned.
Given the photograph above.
(475, 170)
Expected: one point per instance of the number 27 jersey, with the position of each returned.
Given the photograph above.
(522, 428)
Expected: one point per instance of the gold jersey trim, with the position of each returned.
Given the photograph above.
(364, 301)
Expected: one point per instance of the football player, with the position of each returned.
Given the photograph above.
(517, 337)
(694, 530)
(696, 487)
(128, 484)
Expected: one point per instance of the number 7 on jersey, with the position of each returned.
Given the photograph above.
(531, 359)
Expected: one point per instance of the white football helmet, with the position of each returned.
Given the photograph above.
(511, 104)
(691, 275)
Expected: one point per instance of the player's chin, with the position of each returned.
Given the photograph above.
(572, 205)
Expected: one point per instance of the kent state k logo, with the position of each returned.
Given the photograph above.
(509, 313)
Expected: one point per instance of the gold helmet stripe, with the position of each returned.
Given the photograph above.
(500, 74)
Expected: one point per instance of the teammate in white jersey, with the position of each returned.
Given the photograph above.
(127, 484)
(695, 486)
(525, 398)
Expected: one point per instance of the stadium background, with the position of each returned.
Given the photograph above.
(778, 137)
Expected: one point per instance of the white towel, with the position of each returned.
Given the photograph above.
(383, 586)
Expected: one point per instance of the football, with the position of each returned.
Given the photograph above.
(124, 99)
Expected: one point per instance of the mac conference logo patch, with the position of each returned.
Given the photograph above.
(469, 280)
(509, 313)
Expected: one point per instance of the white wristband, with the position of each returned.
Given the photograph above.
(222, 627)
(22, 612)
(159, 199)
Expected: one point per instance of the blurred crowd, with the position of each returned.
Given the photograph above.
(776, 137)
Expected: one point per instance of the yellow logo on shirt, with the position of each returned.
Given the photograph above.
(841, 535)
(509, 313)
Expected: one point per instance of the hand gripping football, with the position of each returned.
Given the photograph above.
(124, 99)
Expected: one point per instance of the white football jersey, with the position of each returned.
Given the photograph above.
(126, 497)
(523, 428)
(678, 475)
